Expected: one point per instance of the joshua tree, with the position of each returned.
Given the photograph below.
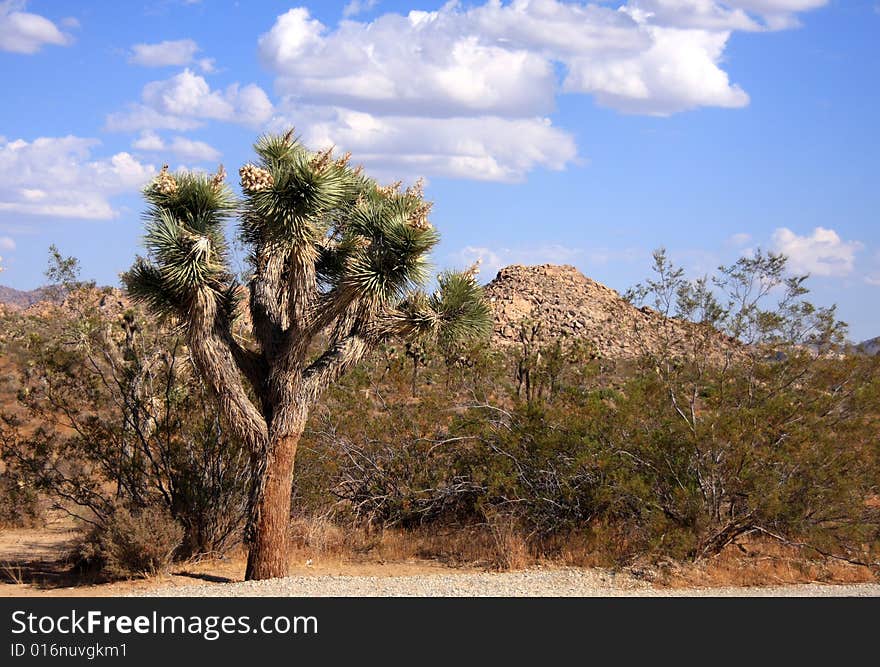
(336, 262)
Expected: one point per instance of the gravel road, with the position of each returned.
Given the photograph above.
(532, 583)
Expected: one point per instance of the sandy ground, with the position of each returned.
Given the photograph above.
(31, 564)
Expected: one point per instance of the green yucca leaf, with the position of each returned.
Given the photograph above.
(198, 200)
(297, 207)
(186, 260)
(145, 283)
(277, 149)
(461, 307)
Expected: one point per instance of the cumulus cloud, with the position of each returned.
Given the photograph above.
(182, 147)
(679, 71)
(822, 253)
(56, 176)
(481, 69)
(164, 54)
(420, 64)
(186, 101)
(7, 243)
(482, 148)
(648, 56)
(749, 15)
(23, 32)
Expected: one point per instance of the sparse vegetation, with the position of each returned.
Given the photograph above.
(110, 418)
(475, 454)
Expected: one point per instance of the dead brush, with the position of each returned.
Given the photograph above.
(510, 547)
(318, 535)
(13, 573)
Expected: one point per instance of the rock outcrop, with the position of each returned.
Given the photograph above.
(567, 303)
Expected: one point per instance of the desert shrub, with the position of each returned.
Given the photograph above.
(19, 504)
(793, 466)
(109, 412)
(773, 434)
(127, 544)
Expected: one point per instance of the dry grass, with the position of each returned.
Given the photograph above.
(318, 538)
(500, 545)
(320, 546)
(762, 562)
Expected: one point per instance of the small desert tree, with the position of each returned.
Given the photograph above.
(336, 262)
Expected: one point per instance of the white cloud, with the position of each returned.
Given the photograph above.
(207, 65)
(474, 71)
(23, 32)
(777, 14)
(679, 71)
(185, 101)
(822, 253)
(186, 149)
(56, 176)
(405, 65)
(163, 54)
(739, 240)
(355, 7)
(493, 259)
(727, 15)
(148, 141)
(482, 148)
(502, 58)
(7, 243)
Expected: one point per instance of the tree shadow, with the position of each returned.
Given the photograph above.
(213, 578)
(47, 574)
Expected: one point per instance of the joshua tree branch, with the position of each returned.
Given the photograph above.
(333, 363)
(213, 356)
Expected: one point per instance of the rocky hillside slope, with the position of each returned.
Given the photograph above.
(567, 303)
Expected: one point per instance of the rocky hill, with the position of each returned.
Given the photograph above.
(567, 303)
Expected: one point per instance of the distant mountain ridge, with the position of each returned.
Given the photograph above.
(16, 298)
(870, 346)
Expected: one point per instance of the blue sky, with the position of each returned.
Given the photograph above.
(547, 131)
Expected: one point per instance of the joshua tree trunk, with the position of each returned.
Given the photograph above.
(269, 550)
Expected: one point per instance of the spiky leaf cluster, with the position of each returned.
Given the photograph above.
(187, 250)
(368, 241)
